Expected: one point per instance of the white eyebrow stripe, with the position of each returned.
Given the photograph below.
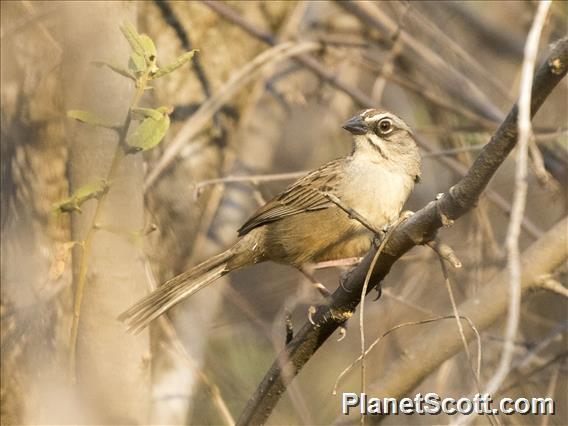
(377, 117)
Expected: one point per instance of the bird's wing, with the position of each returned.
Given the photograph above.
(306, 194)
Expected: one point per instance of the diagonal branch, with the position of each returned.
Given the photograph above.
(361, 98)
(489, 304)
(419, 229)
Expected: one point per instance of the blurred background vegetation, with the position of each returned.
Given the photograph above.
(450, 69)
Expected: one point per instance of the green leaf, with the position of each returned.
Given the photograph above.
(122, 71)
(84, 193)
(137, 63)
(88, 117)
(151, 130)
(186, 57)
(149, 53)
(133, 38)
(143, 57)
(148, 46)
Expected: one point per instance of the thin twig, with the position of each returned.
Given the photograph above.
(352, 213)
(477, 371)
(250, 178)
(519, 199)
(398, 327)
(380, 249)
(550, 284)
(355, 215)
(445, 252)
(452, 151)
(363, 221)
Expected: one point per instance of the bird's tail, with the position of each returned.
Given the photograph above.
(173, 291)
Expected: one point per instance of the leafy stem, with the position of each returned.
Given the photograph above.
(118, 156)
(149, 133)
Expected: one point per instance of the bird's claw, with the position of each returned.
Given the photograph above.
(379, 289)
(311, 312)
(342, 333)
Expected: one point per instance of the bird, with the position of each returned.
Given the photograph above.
(302, 225)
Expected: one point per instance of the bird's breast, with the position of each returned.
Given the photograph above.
(377, 193)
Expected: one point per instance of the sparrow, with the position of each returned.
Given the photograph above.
(301, 225)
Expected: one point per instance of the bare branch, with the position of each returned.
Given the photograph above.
(420, 228)
(254, 179)
(519, 201)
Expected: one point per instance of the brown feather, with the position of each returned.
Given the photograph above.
(302, 196)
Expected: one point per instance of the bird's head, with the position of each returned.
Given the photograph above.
(382, 135)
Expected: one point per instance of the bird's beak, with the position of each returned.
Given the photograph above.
(356, 125)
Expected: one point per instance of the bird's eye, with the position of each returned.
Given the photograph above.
(385, 126)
